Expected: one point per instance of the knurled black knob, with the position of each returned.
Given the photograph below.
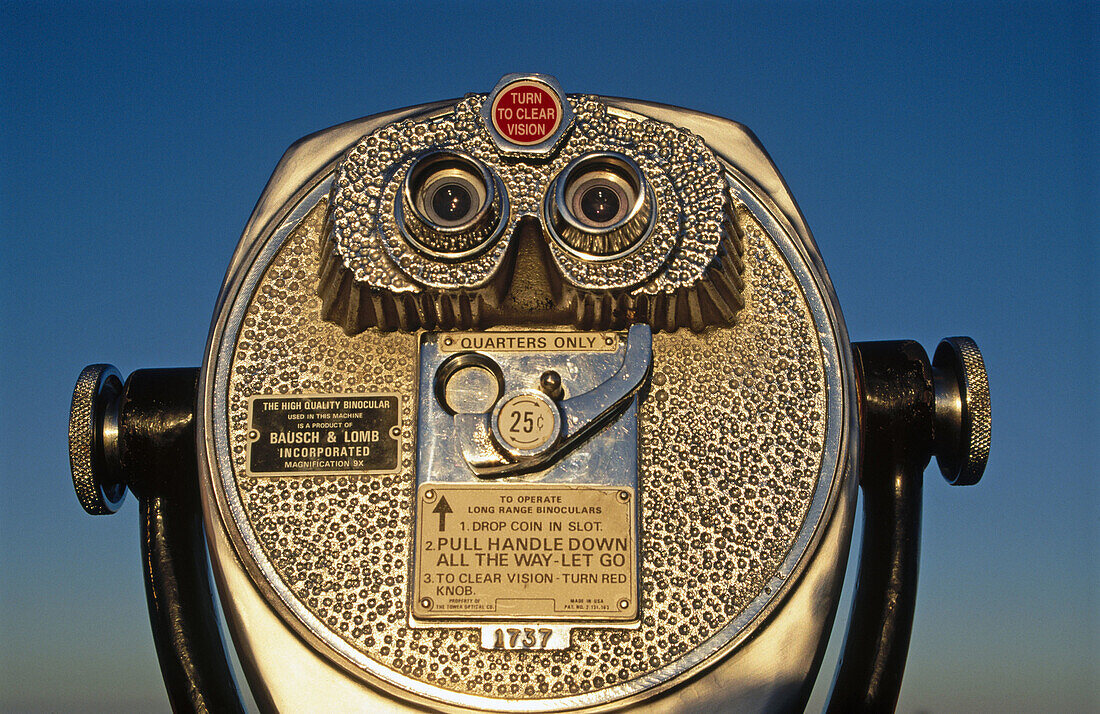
(93, 440)
(963, 420)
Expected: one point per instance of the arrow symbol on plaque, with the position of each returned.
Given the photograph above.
(443, 508)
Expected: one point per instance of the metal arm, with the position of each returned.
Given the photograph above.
(141, 436)
(909, 410)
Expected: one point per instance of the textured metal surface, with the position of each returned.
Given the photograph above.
(451, 242)
(966, 465)
(687, 273)
(100, 493)
(732, 437)
(764, 659)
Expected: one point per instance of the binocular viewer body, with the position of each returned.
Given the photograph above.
(530, 402)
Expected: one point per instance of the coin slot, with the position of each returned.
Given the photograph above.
(468, 383)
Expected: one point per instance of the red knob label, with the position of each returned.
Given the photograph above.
(526, 113)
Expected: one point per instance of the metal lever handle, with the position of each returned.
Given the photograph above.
(576, 418)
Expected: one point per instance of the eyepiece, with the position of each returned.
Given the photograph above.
(451, 205)
(599, 207)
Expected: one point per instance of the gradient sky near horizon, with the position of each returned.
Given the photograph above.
(945, 156)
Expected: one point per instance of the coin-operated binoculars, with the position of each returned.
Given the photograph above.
(530, 402)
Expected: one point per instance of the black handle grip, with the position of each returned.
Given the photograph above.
(897, 408)
(157, 453)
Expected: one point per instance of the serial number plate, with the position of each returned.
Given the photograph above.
(525, 552)
(303, 434)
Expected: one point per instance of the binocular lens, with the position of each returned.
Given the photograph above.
(600, 206)
(451, 202)
(450, 205)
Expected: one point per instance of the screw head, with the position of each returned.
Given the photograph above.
(550, 384)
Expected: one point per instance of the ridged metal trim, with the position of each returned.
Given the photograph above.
(686, 273)
(96, 497)
(977, 415)
(714, 300)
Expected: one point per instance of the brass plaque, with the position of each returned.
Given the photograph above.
(529, 341)
(525, 552)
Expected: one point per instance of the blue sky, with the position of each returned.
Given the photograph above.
(945, 157)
